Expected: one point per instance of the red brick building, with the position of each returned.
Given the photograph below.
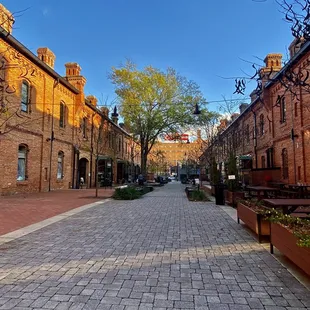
(273, 131)
(50, 134)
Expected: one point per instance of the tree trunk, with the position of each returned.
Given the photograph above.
(143, 163)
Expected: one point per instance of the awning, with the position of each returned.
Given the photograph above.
(104, 157)
(245, 157)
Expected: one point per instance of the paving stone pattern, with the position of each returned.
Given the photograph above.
(158, 252)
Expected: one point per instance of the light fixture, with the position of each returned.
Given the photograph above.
(197, 110)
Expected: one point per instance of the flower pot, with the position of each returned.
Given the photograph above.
(285, 241)
(253, 220)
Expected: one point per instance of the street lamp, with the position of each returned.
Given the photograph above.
(197, 110)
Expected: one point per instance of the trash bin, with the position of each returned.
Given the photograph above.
(219, 194)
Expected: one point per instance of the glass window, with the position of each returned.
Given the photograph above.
(22, 163)
(282, 110)
(261, 124)
(62, 115)
(263, 159)
(25, 97)
(60, 165)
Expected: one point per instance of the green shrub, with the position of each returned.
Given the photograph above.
(127, 193)
(198, 196)
(299, 227)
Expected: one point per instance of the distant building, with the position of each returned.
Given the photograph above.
(176, 153)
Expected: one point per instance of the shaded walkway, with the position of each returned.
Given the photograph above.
(158, 252)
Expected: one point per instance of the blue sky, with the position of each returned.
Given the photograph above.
(201, 39)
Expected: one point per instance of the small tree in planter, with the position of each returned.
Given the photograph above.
(214, 175)
(233, 185)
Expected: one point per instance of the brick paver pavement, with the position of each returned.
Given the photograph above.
(25, 209)
(158, 252)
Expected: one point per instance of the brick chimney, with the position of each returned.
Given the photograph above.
(6, 19)
(242, 107)
(74, 77)
(92, 100)
(47, 56)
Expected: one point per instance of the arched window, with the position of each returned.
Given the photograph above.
(282, 110)
(261, 124)
(62, 115)
(60, 165)
(22, 162)
(25, 97)
(263, 160)
(284, 164)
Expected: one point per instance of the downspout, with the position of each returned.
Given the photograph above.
(91, 151)
(42, 140)
(73, 165)
(52, 137)
(293, 136)
(255, 139)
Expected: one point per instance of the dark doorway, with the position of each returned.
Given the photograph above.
(105, 172)
(83, 172)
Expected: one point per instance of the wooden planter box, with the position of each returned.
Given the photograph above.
(232, 197)
(253, 220)
(285, 242)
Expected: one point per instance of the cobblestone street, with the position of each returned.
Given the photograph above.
(158, 252)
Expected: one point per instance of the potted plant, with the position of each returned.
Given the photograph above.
(233, 193)
(291, 236)
(254, 215)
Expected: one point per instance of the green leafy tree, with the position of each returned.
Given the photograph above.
(154, 103)
(232, 170)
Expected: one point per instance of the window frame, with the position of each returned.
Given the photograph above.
(283, 110)
(62, 114)
(22, 149)
(24, 105)
(60, 165)
(262, 124)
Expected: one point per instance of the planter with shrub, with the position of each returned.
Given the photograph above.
(127, 193)
(252, 214)
(291, 236)
(197, 195)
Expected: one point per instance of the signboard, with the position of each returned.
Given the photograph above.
(232, 177)
(175, 136)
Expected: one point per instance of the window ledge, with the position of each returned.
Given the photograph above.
(25, 114)
(59, 180)
(22, 183)
(284, 124)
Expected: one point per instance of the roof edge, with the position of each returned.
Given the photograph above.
(7, 37)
